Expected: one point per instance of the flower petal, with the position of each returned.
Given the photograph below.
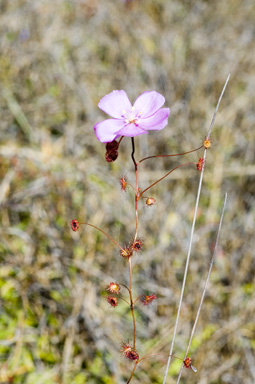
(156, 122)
(115, 104)
(106, 130)
(131, 130)
(148, 103)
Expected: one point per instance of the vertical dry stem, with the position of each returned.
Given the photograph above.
(192, 234)
(205, 286)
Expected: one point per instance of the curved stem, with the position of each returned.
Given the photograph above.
(123, 285)
(132, 373)
(120, 141)
(176, 154)
(152, 185)
(109, 237)
(138, 298)
(121, 298)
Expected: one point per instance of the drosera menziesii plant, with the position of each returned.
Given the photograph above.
(129, 121)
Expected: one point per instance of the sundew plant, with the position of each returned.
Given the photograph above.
(128, 121)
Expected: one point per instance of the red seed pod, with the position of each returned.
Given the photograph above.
(113, 301)
(129, 352)
(146, 300)
(137, 245)
(74, 225)
(187, 364)
(113, 288)
(200, 164)
(111, 156)
(150, 201)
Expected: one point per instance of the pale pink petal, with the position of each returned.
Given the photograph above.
(131, 130)
(115, 104)
(106, 130)
(148, 103)
(156, 122)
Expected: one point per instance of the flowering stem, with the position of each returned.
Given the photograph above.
(140, 195)
(131, 298)
(176, 154)
(152, 354)
(109, 237)
(136, 188)
(132, 372)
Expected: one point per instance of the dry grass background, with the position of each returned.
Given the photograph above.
(57, 59)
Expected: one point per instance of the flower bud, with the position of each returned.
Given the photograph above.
(187, 364)
(113, 301)
(137, 245)
(200, 164)
(113, 288)
(126, 252)
(207, 143)
(112, 146)
(146, 300)
(129, 352)
(150, 201)
(123, 184)
(74, 225)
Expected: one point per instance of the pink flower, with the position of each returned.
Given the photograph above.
(146, 114)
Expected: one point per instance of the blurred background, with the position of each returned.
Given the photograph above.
(57, 60)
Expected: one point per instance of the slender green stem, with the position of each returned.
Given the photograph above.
(176, 154)
(109, 237)
(156, 182)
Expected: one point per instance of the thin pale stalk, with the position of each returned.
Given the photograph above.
(132, 373)
(131, 298)
(192, 234)
(175, 154)
(205, 286)
(136, 188)
(162, 178)
(109, 237)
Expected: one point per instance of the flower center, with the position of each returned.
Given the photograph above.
(131, 117)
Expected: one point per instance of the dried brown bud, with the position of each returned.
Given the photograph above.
(150, 201)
